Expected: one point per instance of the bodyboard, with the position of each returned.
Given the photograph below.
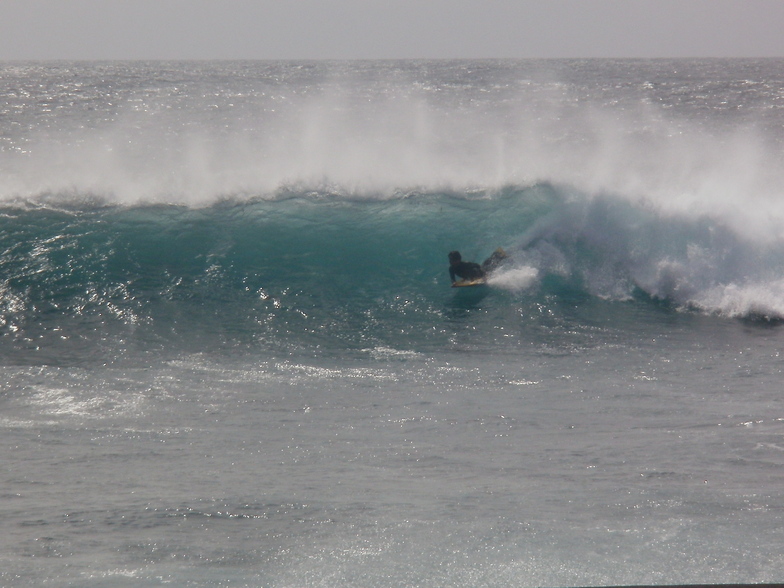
(469, 283)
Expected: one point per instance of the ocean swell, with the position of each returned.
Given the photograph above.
(319, 271)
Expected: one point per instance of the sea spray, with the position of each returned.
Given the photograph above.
(414, 126)
(515, 279)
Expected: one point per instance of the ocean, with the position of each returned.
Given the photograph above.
(231, 355)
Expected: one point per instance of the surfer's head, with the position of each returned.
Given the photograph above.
(454, 257)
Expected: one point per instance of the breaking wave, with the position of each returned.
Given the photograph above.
(322, 273)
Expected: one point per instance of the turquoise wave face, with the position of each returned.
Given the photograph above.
(318, 273)
(300, 272)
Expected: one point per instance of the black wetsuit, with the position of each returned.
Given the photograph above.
(468, 270)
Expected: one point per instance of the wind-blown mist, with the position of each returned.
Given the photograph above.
(201, 134)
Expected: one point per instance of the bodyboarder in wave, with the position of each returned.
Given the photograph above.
(469, 270)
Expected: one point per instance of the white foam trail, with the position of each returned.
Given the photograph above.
(515, 279)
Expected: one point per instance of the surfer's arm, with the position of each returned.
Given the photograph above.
(452, 275)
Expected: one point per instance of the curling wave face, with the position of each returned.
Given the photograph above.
(327, 274)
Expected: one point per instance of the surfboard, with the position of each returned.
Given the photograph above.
(469, 283)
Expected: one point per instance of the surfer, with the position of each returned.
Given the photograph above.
(469, 270)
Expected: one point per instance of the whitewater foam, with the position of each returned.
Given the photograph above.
(514, 279)
(761, 300)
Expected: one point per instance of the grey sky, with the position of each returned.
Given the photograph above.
(371, 29)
